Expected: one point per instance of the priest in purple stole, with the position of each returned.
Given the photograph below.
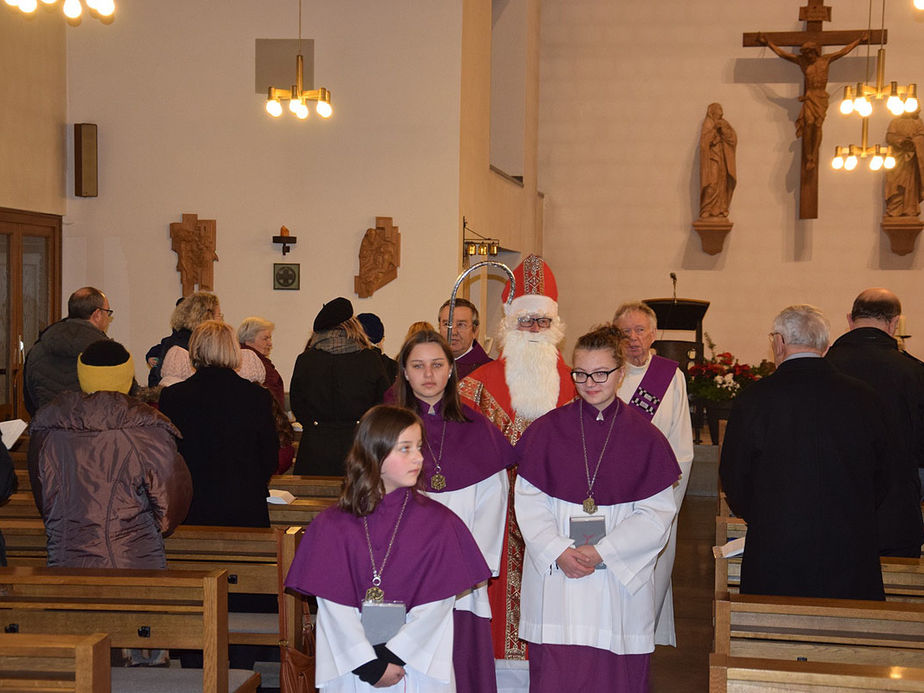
(656, 387)
(386, 543)
(465, 468)
(594, 499)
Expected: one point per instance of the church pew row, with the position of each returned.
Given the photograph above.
(250, 555)
(52, 662)
(301, 511)
(902, 578)
(820, 630)
(157, 609)
(751, 675)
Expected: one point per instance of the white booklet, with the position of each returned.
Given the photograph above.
(11, 430)
(279, 497)
(733, 548)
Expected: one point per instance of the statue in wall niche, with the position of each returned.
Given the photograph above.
(379, 257)
(193, 240)
(717, 174)
(903, 184)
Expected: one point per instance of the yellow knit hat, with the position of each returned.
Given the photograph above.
(110, 368)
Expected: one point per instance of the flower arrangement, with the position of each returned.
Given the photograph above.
(722, 377)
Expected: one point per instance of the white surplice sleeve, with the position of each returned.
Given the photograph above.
(425, 641)
(538, 525)
(341, 643)
(630, 548)
(490, 516)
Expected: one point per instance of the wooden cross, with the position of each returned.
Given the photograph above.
(814, 65)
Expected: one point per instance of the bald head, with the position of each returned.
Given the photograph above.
(877, 307)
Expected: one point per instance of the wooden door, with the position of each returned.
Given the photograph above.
(30, 294)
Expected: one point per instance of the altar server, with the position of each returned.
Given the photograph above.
(386, 549)
(464, 468)
(594, 500)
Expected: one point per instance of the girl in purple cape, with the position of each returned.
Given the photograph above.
(464, 468)
(386, 544)
(594, 501)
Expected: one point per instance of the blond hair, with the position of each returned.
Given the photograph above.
(213, 343)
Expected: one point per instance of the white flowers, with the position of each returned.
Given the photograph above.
(727, 382)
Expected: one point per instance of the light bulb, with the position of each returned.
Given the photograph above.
(911, 103)
(12, 3)
(875, 163)
(851, 163)
(895, 106)
(301, 111)
(865, 108)
(91, 3)
(837, 163)
(293, 105)
(274, 108)
(889, 162)
(106, 8)
(919, 4)
(28, 6)
(847, 104)
(72, 9)
(49, 2)
(324, 109)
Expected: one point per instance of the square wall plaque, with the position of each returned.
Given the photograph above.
(286, 276)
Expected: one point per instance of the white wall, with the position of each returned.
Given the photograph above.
(181, 130)
(618, 163)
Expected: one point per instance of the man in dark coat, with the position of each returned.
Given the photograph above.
(869, 352)
(51, 365)
(804, 464)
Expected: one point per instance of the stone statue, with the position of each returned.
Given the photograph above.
(193, 241)
(903, 189)
(717, 174)
(379, 257)
(814, 65)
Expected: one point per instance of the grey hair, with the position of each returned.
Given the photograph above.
(803, 325)
(640, 307)
(252, 326)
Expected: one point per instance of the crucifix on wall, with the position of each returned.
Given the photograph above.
(814, 64)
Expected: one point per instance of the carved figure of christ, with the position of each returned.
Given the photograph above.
(814, 65)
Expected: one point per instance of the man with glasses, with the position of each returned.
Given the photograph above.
(465, 348)
(528, 380)
(51, 365)
(656, 387)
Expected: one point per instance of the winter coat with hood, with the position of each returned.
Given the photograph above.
(108, 480)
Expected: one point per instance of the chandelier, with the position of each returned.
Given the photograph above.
(899, 99)
(297, 97)
(473, 243)
(72, 8)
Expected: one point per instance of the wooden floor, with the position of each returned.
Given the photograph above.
(684, 669)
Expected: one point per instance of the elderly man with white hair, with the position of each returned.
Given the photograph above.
(657, 388)
(528, 380)
(804, 463)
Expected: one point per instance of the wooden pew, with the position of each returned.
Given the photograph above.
(22, 479)
(308, 486)
(157, 609)
(745, 674)
(820, 630)
(902, 578)
(248, 554)
(47, 661)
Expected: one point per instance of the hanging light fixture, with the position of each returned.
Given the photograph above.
(297, 97)
(473, 243)
(72, 9)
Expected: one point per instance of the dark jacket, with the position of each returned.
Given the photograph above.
(229, 443)
(51, 365)
(178, 338)
(804, 463)
(108, 480)
(329, 393)
(473, 360)
(871, 355)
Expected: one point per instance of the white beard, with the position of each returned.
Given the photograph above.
(532, 370)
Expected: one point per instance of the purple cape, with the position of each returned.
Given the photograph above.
(472, 451)
(433, 557)
(638, 462)
(474, 359)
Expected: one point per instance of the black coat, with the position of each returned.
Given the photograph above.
(872, 356)
(329, 393)
(803, 462)
(229, 444)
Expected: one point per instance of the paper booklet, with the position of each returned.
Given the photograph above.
(733, 548)
(11, 430)
(382, 620)
(588, 531)
(278, 497)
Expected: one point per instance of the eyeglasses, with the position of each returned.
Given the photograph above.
(461, 325)
(598, 377)
(107, 311)
(529, 322)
